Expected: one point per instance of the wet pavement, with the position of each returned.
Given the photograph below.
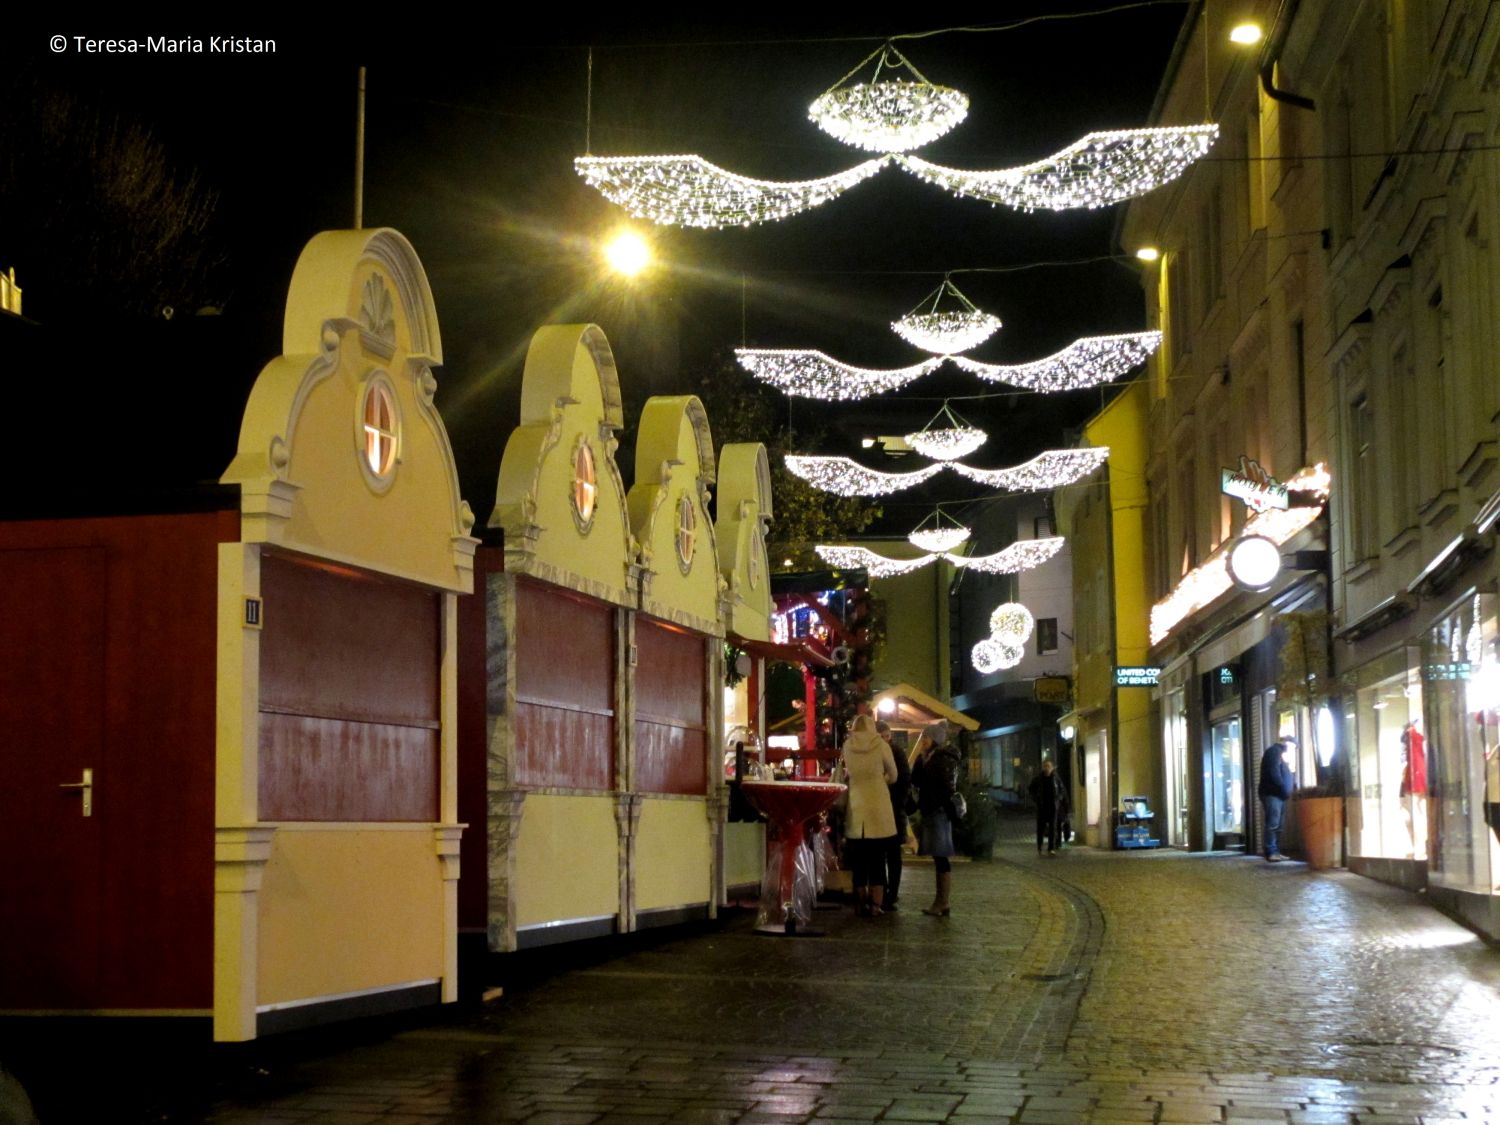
(1095, 986)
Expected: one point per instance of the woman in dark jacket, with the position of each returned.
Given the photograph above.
(934, 772)
(1275, 789)
(900, 792)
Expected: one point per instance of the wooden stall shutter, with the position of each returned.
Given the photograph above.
(670, 724)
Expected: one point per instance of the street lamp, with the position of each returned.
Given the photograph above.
(627, 253)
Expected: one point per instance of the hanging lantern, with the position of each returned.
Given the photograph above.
(946, 331)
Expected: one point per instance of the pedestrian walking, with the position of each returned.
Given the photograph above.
(900, 790)
(869, 825)
(1275, 789)
(934, 772)
(1051, 801)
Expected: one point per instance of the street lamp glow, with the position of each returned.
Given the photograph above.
(627, 253)
(885, 706)
(1254, 562)
(1246, 34)
(1148, 253)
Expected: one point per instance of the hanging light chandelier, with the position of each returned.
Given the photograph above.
(938, 538)
(1053, 469)
(946, 331)
(946, 443)
(889, 116)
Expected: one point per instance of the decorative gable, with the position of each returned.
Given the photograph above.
(744, 511)
(674, 470)
(560, 499)
(342, 454)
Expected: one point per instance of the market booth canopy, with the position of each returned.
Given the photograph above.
(910, 708)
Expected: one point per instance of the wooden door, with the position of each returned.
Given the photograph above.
(52, 621)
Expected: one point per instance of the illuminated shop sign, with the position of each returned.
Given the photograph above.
(1052, 689)
(1460, 670)
(1252, 484)
(1136, 676)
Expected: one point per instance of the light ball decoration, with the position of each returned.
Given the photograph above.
(811, 374)
(991, 655)
(938, 539)
(1086, 362)
(1095, 171)
(1012, 622)
(891, 116)
(686, 190)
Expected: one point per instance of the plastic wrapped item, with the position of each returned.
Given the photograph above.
(794, 915)
(825, 858)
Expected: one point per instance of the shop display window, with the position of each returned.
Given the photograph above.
(1388, 762)
(1228, 777)
(1461, 703)
(1174, 740)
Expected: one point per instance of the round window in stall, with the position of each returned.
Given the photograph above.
(687, 532)
(585, 485)
(379, 432)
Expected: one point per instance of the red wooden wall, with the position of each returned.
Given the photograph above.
(565, 682)
(670, 723)
(349, 695)
(108, 652)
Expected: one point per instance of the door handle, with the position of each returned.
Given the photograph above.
(87, 787)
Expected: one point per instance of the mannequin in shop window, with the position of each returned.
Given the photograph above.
(1414, 787)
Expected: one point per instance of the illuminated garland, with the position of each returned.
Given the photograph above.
(878, 566)
(1022, 555)
(849, 478)
(944, 332)
(1052, 469)
(1100, 169)
(890, 116)
(1012, 622)
(1086, 362)
(947, 443)
(811, 374)
(688, 191)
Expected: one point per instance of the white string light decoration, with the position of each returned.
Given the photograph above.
(1024, 555)
(1019, 556)
(891, 116)
(1100, 169)
(1052, 469)
(937, 537)
(993, 655)
(946, 443)
(946, 331)
(688, 191)
(849, 478)
(1012, 622)
(878, 566)
(1086, 362)
(811, 374)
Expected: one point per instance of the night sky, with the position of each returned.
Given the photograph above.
(470, 141)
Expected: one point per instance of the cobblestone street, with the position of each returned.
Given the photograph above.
(1091, 987)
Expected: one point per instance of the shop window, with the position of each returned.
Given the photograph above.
(1227, 777)
(1362, 507)
(1388, 758)
(687, 532)
(585, 485)
(1042, 527)
(1046, 635)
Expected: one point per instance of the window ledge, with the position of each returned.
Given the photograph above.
(1361, 570)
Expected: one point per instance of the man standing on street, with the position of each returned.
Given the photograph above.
(1051, 801)
(1275, 789)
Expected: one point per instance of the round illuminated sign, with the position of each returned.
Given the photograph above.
(1254, 562)
(1068, 732)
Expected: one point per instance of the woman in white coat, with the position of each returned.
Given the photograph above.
(869, 824)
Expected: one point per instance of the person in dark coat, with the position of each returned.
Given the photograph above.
(900, 793)
(1051, 802)
(935, 772)
(1275, 790)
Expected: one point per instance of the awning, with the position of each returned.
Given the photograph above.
(801, 653)
(913, 708)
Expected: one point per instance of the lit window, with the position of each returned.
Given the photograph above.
(380, 430)
(585, 485)
(687, 532)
